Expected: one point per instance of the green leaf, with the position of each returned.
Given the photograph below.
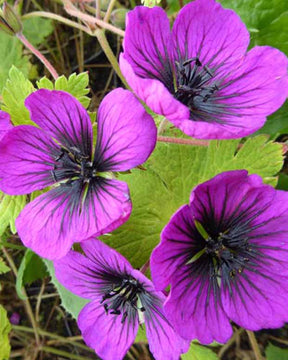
(16, 89)
(166, 185)
(10, 207)
(76, 85)
(31, 269)
(5, 328)
(36, 29)
(11, 54)
(199, 352)
(276, 353)
(72, 303)
(3, 267)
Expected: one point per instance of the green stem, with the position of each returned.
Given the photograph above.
(26, 301)
(68, 355)
(109, 10)
(254, 345)
(100, 34)
(52, 336)
(59, 18)
(38, 54)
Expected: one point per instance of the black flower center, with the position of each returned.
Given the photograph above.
(123, 299)
(73, 165)
(195, 87)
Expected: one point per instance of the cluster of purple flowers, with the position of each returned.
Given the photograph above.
(220, 254)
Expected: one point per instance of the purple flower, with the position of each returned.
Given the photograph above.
(121, 299)
(85, 198)
(200, 76)
(5, 123)
(225, 256)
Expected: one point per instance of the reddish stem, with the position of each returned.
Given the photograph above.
(183, 141)
(38, 54)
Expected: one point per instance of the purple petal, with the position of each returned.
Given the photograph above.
(84, 275)
(175, 240)
(60, 114)
(146, 44)
(51, 223)
(205, 30)
(257, 300)
(105, 333)
(164, 342)
(155, 94)
(27, 159)
(256, 88)
(194, 309)
(5, 123)
(126, 133)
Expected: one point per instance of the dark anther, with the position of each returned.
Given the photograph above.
(142, 309)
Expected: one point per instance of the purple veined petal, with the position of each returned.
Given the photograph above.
(105, 333)
(5, 123)
(154, 94)
(263, 288)
(214, 35)
(85, 275)
(147, 42)
(51, 223)
(27, 160)
(164, 342)
(60, 114)
(175, 240)
(256, 88)
(103, 256)
(126, 133)
(194, 309)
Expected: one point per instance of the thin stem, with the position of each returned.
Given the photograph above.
(162, 126)
(183, 141)
(254, 345)
(38, 54)
(72, 10)
(26, 301)
(100, 34)
(59, 18)
(145, 267)
(98, 9)
(71, 340)
(109, 10)
(66, 354)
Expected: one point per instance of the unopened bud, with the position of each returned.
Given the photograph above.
(9, 20)
(118, 17)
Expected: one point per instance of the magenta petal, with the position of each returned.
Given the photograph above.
(257, 300)
(192, 310)
(146, 44)
(164, 342)
(27, 159)
(260, 87)
(103, 255)
(60, 114)
(51, 223)
(126, 133)
(105, 333)
(155, 94)
(5, 123)
(205, 30)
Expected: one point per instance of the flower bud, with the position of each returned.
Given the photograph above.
(9, 20)
(118, 17)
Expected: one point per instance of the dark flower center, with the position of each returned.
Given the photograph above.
(123, 299)
(73, 165)
(195, 88)
(221, 254)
